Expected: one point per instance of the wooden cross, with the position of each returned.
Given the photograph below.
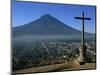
(83, 19)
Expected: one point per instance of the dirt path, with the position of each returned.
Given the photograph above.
(57, 67)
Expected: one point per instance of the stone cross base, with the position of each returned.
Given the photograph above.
(81, 60)
(79, 63)
(82, 63)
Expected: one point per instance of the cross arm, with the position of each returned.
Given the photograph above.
(82, 18)
(78, 17)
(87, 18)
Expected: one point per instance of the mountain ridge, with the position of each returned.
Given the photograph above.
(46, 26)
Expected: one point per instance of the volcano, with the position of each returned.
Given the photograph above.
(48, 25)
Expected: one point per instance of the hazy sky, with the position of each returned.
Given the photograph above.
(25, 12)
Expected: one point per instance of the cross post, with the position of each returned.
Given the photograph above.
(83, 19)
(83, 47)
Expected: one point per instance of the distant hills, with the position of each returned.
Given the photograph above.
(47, 25)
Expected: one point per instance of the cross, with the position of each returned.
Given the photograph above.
(83, 19)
